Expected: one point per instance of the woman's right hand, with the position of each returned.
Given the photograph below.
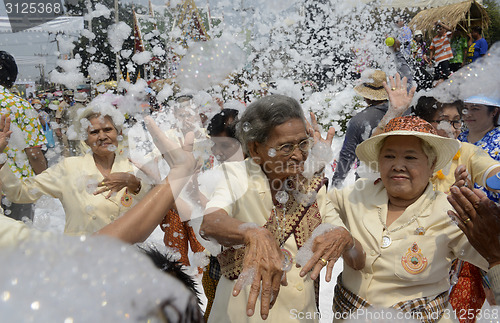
(262, 268)
(5, 132)
(327, 249)
(479, 218)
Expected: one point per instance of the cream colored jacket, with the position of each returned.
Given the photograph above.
(247, 197)
(13, 232)
(478, 163)
(73, 181)
(384, 281)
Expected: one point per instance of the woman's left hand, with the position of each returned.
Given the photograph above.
(462, 177)
(314, 130)
(117, 181)
(327, 248)
(399, 96)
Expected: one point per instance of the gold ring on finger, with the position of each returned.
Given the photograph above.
(323, 261)
(393, 89)
(466, 221)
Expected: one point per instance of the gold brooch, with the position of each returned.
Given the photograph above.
(126, 199)
(414, 261)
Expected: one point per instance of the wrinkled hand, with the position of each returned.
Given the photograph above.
(399, 97)
(314, 130)
(58, 132)
(117, 181)
(479, 218)
(262, 265)
(178, 156)
(328, 246)
(5, 132)
(462, 177)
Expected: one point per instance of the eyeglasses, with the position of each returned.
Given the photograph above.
(287, 149)
(457, 124)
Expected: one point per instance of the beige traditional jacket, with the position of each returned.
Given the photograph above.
(247, 197)
(73, 181)
(424, 243)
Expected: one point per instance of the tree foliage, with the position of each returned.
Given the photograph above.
(493, 10)
(98, 49)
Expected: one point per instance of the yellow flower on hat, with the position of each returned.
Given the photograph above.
(440, 175)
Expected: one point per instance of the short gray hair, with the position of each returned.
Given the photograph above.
(263, 115)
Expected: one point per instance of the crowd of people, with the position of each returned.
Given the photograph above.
(248, 189)
(448, 51)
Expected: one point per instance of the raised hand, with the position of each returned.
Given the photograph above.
(479, 218)
(399, 97)
(178, 156)
(462, 177)
(314, 130)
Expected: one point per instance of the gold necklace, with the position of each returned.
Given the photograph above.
(280, 225)
(386, 237)
(281, 232)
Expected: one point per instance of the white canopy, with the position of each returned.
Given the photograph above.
(60, 24)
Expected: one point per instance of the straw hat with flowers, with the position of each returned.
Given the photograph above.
(445, 148)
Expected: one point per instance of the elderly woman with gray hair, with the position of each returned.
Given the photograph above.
(266, 210)
(94, 189)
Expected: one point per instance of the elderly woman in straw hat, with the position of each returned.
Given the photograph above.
(402, 225)
(94, 189)
(264, 212)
